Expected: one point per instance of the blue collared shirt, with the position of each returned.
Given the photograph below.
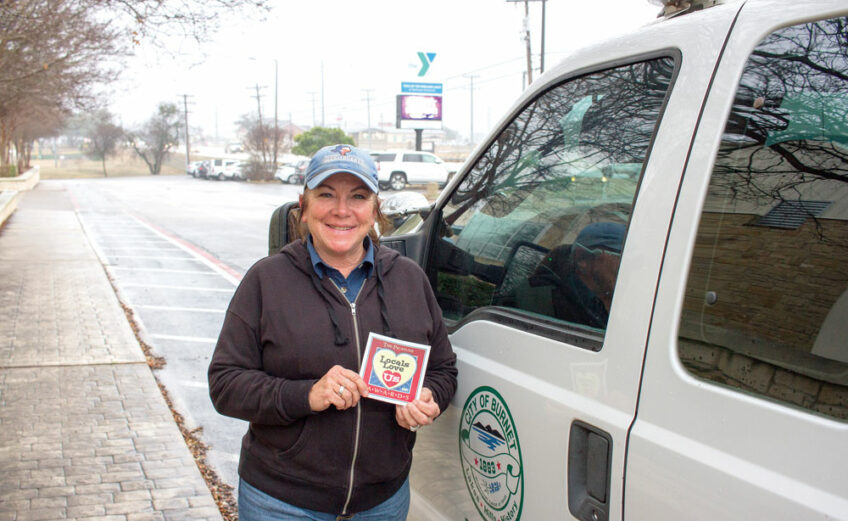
(351, 285)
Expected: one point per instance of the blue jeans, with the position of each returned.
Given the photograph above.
(255, 505)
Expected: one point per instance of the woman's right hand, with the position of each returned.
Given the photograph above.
(340, 387)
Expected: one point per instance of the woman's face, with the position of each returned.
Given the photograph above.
(339, 213)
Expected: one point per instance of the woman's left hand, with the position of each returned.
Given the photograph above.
(419, 412)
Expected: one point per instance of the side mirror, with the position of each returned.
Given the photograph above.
(279, 232)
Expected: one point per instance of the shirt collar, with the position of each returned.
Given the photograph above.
(320, 266)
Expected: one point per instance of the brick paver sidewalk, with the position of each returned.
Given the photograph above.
(84, 430)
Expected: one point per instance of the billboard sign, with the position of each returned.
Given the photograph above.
(419, 111)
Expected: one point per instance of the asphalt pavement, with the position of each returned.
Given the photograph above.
(84, 430)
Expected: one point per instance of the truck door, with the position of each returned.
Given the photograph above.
(545, 256)
(525, 261)
(743, 412)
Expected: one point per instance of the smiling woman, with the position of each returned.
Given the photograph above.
(291, 346)
(339, 214)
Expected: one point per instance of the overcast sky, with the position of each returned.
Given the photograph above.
(366, 49)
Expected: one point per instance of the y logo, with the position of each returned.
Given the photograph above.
(426, 60)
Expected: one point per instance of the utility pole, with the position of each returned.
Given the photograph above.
(261, 126)
(289, 133)
(276, 126)
(527, 40)
(526, 24)
(188, 146)
(322, 94)
(312, 95)
(368, 103)
(471, 135)
(542, 54)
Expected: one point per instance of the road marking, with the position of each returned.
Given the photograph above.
(156, 257)
(231, 275)
(191, 383)
(167, 286)
(127, 236)
(198, 339)
(139, 248)
(177, 308)
(167, 270)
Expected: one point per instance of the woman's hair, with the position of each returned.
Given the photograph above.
(298, 229)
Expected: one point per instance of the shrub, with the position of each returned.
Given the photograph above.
(8, 171)
(258, 171)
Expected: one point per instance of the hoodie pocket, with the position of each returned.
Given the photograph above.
(274, 442)
(385, 447)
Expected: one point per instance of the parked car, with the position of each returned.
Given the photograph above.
(218, 168)
(234, 148)
(398, 169)
(234, 171)
(193, 168)
(292, 173)
(667, 342)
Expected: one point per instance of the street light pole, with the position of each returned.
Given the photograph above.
(276, 126)
(368, 102)
(471, 132)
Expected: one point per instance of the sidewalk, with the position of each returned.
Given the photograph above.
(84, 430)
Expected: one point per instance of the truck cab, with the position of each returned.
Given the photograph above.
(644, 272)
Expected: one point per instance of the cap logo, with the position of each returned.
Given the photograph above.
(342, 149)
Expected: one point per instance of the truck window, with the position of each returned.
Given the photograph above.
(537, 227)
(766, 308)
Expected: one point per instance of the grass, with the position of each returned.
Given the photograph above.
(73, 165)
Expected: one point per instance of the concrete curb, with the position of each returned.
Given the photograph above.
(25, 181)
(8, 203)
(10, 188)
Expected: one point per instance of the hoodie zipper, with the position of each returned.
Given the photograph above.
(358, 409)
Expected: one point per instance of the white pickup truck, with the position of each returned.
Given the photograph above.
(644, 273)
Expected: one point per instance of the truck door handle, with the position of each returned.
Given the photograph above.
(589, 464)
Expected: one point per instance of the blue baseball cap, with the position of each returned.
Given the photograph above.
(335, 159)
(602, 236)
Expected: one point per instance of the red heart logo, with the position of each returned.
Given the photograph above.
(391, 378)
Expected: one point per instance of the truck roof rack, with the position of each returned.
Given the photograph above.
(671, 8)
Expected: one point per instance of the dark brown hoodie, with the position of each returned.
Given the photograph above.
(278, 339)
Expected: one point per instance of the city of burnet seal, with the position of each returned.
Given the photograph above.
(491, 456)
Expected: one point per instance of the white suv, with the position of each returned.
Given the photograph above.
(397, 169)
(222, 168)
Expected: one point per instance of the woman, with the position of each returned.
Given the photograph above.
(290, 349)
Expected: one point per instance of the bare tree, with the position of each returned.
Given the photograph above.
(50, 56)
(154, 140)
(258, 141)
(54, 53)
(104, 136)
(155, 20)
